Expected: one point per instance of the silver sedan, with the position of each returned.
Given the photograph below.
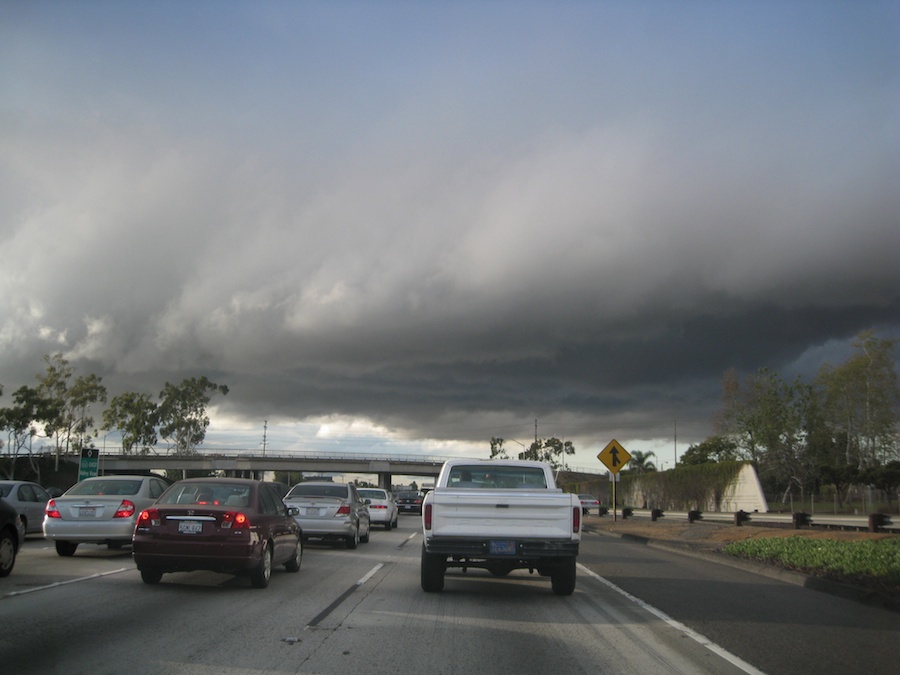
(331, 511)
(100, 510)
(29, 499)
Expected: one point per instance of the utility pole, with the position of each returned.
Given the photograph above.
(676, 444)
(265, 429)
(535, 430)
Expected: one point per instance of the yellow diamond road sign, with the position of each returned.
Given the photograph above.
(614, 456)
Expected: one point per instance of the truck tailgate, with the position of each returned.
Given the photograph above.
(502, 513)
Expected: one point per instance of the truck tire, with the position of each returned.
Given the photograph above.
(562, 578)
(432, 572)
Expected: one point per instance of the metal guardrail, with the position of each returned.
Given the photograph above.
(875, 522)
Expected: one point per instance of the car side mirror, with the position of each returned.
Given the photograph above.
(293, 511)
(367, 501)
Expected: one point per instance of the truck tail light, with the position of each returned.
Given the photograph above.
(576, 519)
(52, 511)
(426, 516)
(125, 510)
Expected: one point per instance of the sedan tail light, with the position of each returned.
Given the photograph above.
(52, 511)
(126, 509)
(235, 520)
(344, 510)
(149, 517)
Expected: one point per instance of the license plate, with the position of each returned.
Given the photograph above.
(190, 527)
(502, 547)
(313, 512)
(88, 512)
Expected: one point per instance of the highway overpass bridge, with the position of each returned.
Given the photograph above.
(248, 464)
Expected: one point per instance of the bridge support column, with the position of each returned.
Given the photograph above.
(384, 480)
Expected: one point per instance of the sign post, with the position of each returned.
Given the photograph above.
(614, 457)
(89, 464)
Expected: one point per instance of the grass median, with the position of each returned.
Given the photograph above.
(870, 564)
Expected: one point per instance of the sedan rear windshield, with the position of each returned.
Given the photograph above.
(214, 494)
(372, 494)
(106, 487)
(337, 491)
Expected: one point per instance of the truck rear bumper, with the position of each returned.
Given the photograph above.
(525, 549)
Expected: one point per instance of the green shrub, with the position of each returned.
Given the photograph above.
(872, 561)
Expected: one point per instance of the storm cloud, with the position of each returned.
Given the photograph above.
(442, 222)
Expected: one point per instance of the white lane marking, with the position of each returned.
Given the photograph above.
(694, 635)
(370, 574)
(64, 583)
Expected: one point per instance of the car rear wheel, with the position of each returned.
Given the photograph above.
(293, 563)
(364, 538)
(7, 553)
(388, 525)
(353, 539)
(66, 548)
(260, 576)
(151, 575)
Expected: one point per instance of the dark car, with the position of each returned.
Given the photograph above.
(12, 534)
(409, 502)
(231, 525)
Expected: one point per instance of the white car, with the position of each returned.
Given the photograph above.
(29, 499)
(588, 502)
(101, 510)
(383, 509)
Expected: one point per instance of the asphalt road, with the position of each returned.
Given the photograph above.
(635, 610)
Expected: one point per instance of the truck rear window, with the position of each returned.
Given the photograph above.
(502, 477)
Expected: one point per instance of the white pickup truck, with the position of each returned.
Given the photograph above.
(500, 515)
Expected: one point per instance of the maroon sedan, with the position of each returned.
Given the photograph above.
(231, 525)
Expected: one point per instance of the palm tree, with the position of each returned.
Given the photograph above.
(639, 462)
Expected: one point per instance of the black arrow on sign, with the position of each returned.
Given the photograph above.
(614, 453)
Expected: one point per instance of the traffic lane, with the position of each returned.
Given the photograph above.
(345, 610)
(778, 626)
(190, 622)
(38, 564)
(483, 624)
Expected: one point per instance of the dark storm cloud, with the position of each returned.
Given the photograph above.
(444, 232)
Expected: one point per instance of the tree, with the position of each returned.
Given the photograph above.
(18, 421)
(136, 416)
(862, 396)
(182, 412)
(713, 450)
(497, 449)
(640, 462)
(551, 450)
(66, 418)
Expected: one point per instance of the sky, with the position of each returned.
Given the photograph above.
(408, 227)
